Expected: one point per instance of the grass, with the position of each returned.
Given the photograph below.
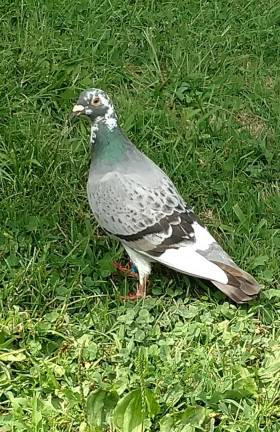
(197, 88)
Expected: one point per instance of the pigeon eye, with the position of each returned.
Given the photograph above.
(95, 101)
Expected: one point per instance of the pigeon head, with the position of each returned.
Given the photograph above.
(96, 105)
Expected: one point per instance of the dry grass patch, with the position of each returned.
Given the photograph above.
(255, 125)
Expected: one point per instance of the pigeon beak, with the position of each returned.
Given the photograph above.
(77, 111)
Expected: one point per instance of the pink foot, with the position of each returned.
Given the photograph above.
(125, 269)
(139, 294)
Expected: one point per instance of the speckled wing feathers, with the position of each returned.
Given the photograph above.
(149, 219)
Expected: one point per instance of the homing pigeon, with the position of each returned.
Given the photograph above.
(135, 202)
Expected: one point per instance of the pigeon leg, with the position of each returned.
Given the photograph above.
(144, 269)
(129, 270)
(140, 292)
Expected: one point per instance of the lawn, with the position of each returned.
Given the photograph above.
(197, 88)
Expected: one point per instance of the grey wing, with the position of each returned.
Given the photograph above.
(146, 218)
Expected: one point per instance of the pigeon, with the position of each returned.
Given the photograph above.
(135, 202)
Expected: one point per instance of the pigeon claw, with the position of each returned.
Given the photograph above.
(138, 295)
(128, 270)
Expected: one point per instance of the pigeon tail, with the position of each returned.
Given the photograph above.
(241, 286)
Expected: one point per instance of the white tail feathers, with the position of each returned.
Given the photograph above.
(186, 260)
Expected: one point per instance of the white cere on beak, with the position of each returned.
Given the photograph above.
(78, 108)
